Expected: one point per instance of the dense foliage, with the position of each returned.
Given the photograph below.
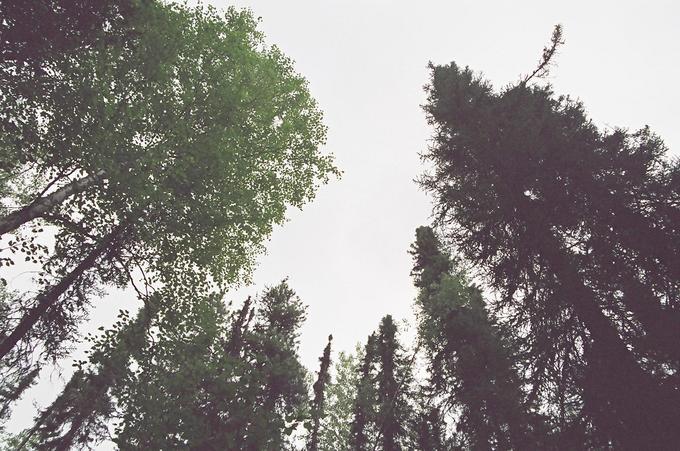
(576, 229)
(172, 151)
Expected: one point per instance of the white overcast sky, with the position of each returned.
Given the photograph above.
(346, 253)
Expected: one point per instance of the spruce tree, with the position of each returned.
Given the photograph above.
(469, 363)
(429, 428)
(216, 380)
(383, 412)
(574, 227)
(79, 415)
(319, 387)
(362, 430)
(393, 380)
(340, 401)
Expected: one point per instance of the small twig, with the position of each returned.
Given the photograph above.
(131, 279)
(49, 185)
(68, 223)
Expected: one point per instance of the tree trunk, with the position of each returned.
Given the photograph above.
(44, 204)
(51, 295)
(647, 414)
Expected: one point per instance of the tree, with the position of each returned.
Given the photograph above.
(340, 399)
(362, 431)
(470, 366)
(576, 228)
(393, 388)
(174, 151)
(319, 387)
(430, 426)
(202, 385)
(382, 408)
(19, 371)
(79, 416)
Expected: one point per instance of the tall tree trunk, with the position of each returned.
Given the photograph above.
(44, 204)
(647, 415)
(51, 295)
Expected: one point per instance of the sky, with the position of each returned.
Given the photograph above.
(346, 253)
(366, 62)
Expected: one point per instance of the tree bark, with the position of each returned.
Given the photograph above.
(44, 204)
(51, 295)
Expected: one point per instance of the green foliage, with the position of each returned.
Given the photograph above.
(190, 136)
(193, 387)
(340, 396)
(470, 366)
(197, 129)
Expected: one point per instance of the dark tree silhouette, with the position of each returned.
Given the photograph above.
(470, 365)
(571, 224)
(319, 387)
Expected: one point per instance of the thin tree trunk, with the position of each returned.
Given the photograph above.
(51, 295)
(44, 204)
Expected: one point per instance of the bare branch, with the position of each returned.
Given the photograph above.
(546, 61)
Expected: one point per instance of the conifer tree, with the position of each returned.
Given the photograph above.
(575, 228)
(19, 371)
(319, 388)
(429, 427)
(469, 364)
(79, 415)
(340, 401)
(362, 431)
(214, 380)
(382, 408)
(393, 380)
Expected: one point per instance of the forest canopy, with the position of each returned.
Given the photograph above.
(153, 146)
